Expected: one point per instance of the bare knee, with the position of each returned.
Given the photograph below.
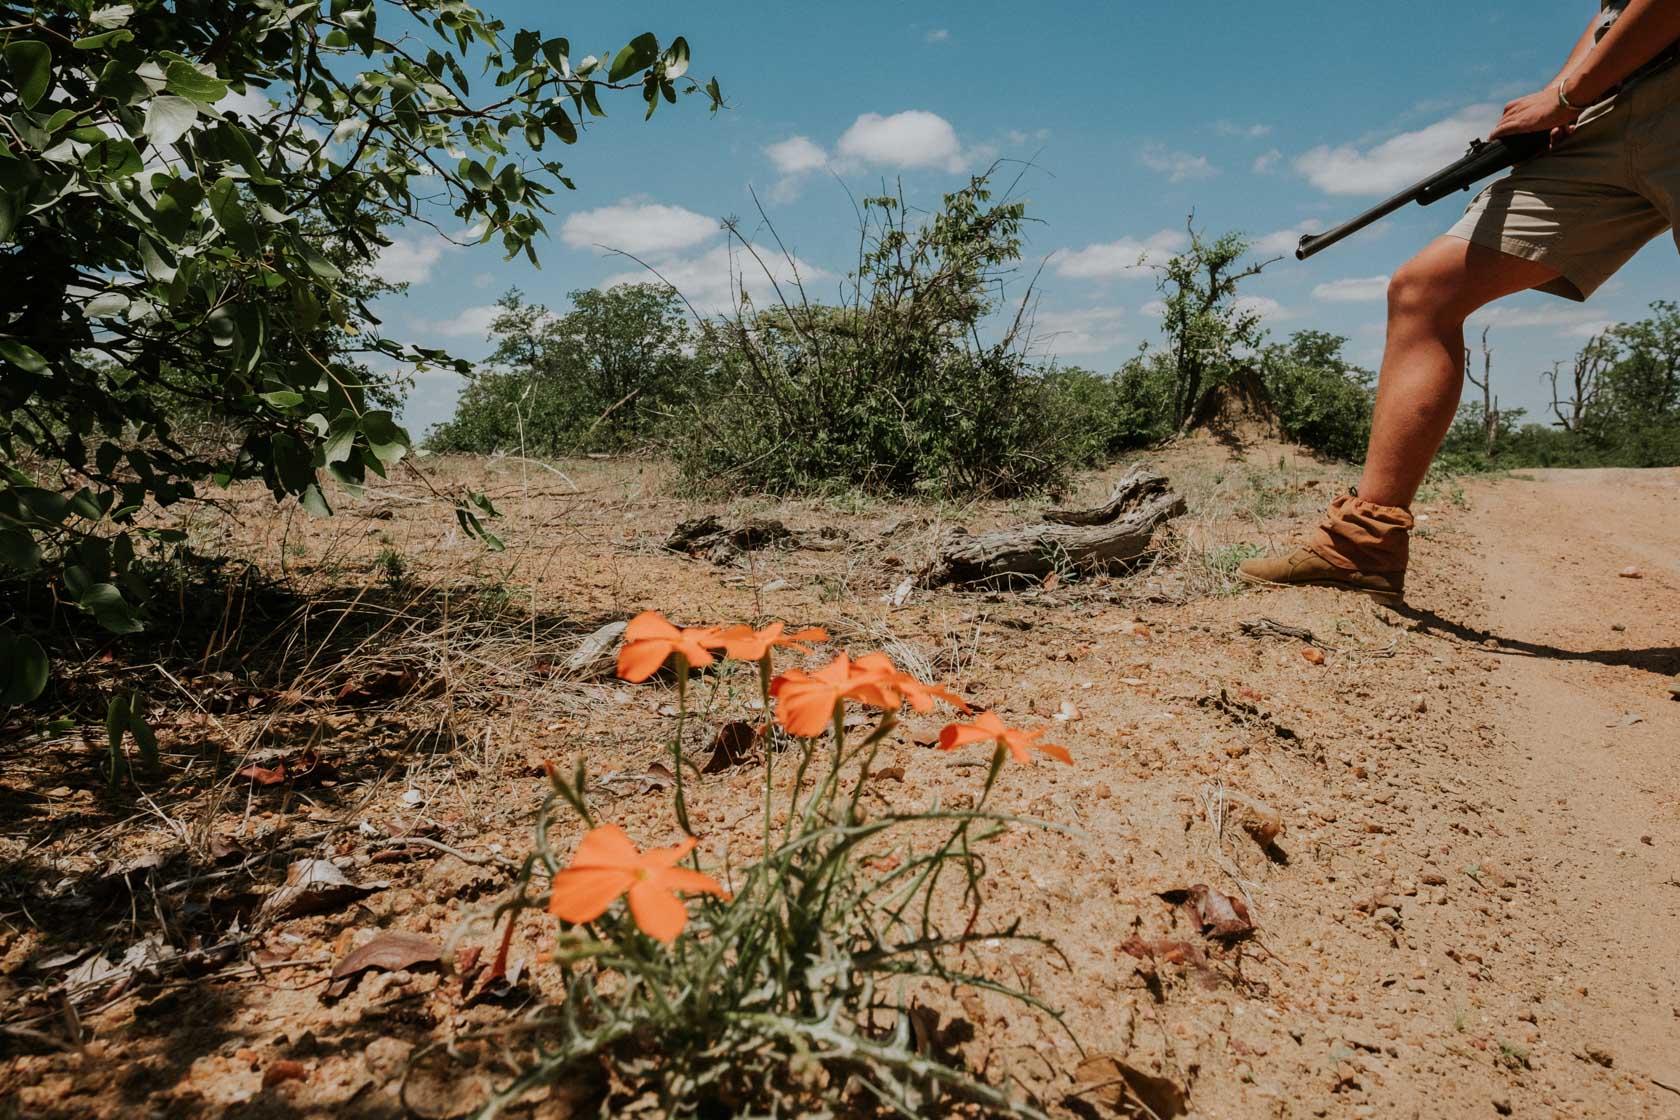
(1425, 291)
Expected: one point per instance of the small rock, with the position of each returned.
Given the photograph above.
(1618, 627)
(1647, 841)
(1599, 1056)
(283, 1069)
(1312, 655)
(1262, 822)
(1419, 704)
(1631, 572)
(386, 1057)
(1502, 1106)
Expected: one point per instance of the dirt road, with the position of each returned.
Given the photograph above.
(1590, 776)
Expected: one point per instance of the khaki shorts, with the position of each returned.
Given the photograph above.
(1588, 205)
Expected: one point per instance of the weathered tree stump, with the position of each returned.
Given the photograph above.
(1114, 534)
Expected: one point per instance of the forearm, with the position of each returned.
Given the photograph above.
(1645, 29)
(1583, 48)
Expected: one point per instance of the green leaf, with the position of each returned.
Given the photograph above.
(30, 66)
(18, 551)
(314, 502)
(23, 668)
(641, 53)
(46, 505)
(185, 79)
(284, 398)
(168, 119)
(116, 722)
(103, 39)
(110, 609)
(225, 205)
(676, 59)
(340, 441)
(561, 125)
(385, 437)
(22, 356)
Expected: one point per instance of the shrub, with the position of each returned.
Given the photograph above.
(602, 377)
(893, 391)
(784, 987)
(1321, 400)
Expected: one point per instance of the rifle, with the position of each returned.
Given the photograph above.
(1485, 157)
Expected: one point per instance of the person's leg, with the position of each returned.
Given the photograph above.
(1422, 375)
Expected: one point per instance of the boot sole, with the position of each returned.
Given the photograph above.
(1387, 597)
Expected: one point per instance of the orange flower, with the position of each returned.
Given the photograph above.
(918, 695)
(805, 701)
(608, 865)
(649, 639)
(988, 728)
(743, 643)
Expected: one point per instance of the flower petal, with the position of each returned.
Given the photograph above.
(658, 912)
(1060, 754)
(607, 846)
(639, 660)
(668, 857)
(961, 735)
(690, 880)
(582, 894)
(649, 624)
(805, 707)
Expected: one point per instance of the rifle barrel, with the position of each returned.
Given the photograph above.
(1483, 159)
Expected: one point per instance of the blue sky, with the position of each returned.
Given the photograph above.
(1266, 118)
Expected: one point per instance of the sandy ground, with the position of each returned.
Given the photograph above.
(1474, 909)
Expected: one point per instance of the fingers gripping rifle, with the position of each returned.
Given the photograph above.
(1485, 157)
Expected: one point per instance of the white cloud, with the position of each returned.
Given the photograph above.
(1285, 240)
(1154, 309)
(1569, 320)
(1246, 131)
(713, 280)
(1590, 329)
(1263, 306)
(914, 138)
(410, 258)
(1127, 257)
(1363, 289)
(469, 322)
(796, 154)
(1397, 161)
(1091, 330)
(638, 227)
(1176, 166)
(1266, 162)
(938, 35)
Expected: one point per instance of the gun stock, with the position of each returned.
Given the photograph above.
(1485, 157)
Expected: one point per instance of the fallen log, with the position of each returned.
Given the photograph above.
(1136, 486)
(1139, 506)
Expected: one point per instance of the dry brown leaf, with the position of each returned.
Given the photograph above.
(732, 746)
(390, 951)
(1312, 655)
(1115, 1084)
(1216, 914)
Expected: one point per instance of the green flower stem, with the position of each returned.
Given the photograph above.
(681, 665)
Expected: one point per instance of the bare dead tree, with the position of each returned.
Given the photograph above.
(1490, 403)
(1598, 355)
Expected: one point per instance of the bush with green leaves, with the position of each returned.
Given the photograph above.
(894, 391)
(605, 376)
(1321, 400)
(164, 166)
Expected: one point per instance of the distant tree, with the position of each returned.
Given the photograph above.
(1209, 330)
(602, 377)
(1586, 380)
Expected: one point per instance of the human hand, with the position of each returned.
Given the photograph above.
(1538, 112)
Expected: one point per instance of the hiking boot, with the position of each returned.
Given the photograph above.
(1304, 567)
(1359, 545)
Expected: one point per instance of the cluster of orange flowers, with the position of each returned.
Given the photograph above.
(607, 864)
